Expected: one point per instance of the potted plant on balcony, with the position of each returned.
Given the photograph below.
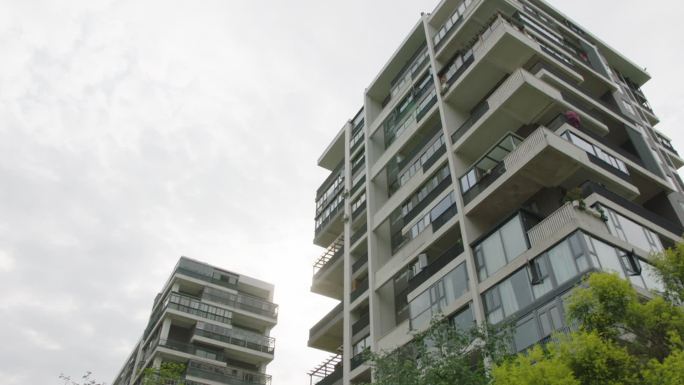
(575, 196)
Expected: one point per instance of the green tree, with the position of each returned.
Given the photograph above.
(167, 374)
(610, 307)
(441, 354)
(537, 367)
(670, 270)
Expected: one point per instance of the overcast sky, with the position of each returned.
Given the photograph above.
(133, 132)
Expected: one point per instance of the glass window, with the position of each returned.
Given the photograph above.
(500, 247)
(651, 279)
(493, 254)
(608, 257)
(456, 283)
(562, 263)
(464, 319)
(513, 238)
(526, 333)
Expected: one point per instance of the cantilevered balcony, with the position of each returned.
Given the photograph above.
(197, 371)
(185, 306)
(328, 271)
(329, 207)
(243, 304)
(246, 345)
(327, 333)
(329, 372)
(543, 159)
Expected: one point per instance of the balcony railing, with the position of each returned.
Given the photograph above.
(242, 301)
(424, 160)
(196, 307)
(488, 168)
(551, 224)
(451, 24)
(436, 265)
(226, 375)
(190, 305)
(397, 122)
(361, 288)
(358, 234)
(359, 263)
(361, 323)
(320, 325)
(591, 187)
(331, 254)
(475, 115)
(191, 349)
(358, 360)
(237, 337)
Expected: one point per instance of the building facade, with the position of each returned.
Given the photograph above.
(214, 322)
(501, 153)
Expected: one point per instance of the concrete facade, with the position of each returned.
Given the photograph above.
(502, 153)
(215, 322)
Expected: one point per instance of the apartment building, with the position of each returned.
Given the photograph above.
(502, 153)
(213, 321)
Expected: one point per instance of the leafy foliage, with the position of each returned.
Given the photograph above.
(440, 354)
(670, 270)
(168, 373)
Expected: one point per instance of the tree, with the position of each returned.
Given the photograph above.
(669, 267)
(441, 354)
(536, 367)
(84, 380)
(167, 374)
(610, 307)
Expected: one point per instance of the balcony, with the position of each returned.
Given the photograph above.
(436, 265)
(206, 273)
(361, 324)
(589, 188)
(499, 50)
(225, 374)
(543, 159)
(242, 301)
(358, 234)
(567, 216)
(327, 373)
(191, 306)
(360, 289)
(328, 271)
(327, 333)
(409, 113)
(419, 162)
(240, 342)
(519, 100)
(329, 207)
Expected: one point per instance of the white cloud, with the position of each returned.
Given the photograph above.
(135, 132)
(6, 262)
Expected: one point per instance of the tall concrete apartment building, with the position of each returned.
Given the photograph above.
(213, 321)
(501, 153)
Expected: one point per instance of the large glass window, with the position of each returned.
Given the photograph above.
(464, 319)
(499, 248)
(440, 295)
(632, 232)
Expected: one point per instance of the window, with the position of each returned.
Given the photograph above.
(440, 295)
(508, 297)
(526, 333)
(500, 247)
(463, 319)
(632, 232)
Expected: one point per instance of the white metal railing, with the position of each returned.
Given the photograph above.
(551, 224)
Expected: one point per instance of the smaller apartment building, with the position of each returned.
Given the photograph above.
(215, 322)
